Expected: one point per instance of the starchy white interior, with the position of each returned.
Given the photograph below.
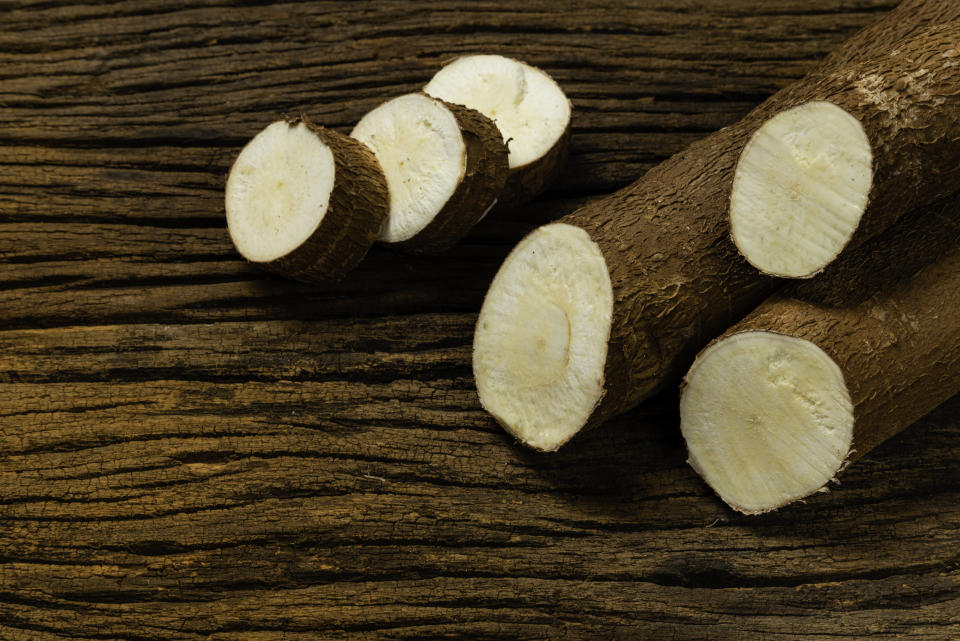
(278, 191)
(767, 419)
(541, 341)
(421, 150)
(528, 107)
(800, 189)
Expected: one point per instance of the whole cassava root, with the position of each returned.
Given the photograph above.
(305, 202)
(824, 371)
(529, 108)
(676, 277)
(445, 165)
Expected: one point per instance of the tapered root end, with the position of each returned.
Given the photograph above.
(767, 419)
(541, 341)
(800, 189)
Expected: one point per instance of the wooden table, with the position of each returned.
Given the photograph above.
(193, 450)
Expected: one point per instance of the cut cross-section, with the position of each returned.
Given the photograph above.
(800, 189)
(528, 106)
(541, 340)
(304, 202)
(767, 419)
(278, 191)
(445, 167)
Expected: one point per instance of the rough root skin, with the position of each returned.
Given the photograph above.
(527, 182)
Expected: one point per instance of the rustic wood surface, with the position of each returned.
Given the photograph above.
(194, 450)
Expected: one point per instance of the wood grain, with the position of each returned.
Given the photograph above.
(191, 449)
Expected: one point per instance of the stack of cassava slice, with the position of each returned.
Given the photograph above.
(590, 315)
(416, 172)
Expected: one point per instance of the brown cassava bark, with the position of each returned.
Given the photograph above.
(527, 182)
(482, 184)
(889, 316)
(358, 206)
(678, 279)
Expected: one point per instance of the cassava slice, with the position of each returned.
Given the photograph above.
(677, 278)
(824, 371)
(445, 167)
(529, 108)
(868, 149)
(305, 202)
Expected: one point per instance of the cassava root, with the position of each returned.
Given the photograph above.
(824, 371)
(677, 279)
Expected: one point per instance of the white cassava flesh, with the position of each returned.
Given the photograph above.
(528, 107)
(278, 191)
(767, 419)
(418, 143)
(800, 189)
(541, 340)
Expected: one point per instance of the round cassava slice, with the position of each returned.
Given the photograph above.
(445, 167)
(541, 338)
(305, 202)
(529, 108)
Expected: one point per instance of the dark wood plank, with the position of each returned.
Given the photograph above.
(190, 449)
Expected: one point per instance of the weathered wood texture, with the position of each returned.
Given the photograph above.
(191, 449)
